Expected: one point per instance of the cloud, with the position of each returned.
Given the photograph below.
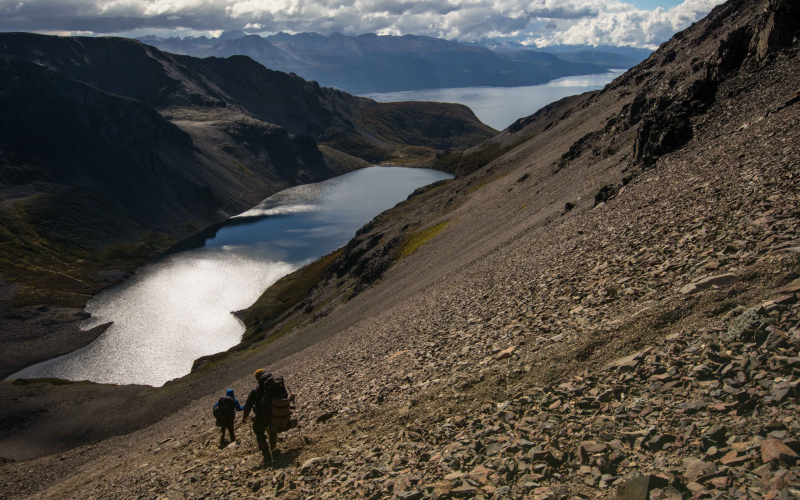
(628, 26)
(543, 22)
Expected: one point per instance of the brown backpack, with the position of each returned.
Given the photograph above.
(282, 407)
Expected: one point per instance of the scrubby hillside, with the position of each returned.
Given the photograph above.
(612, 297)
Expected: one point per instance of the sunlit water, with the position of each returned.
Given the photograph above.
(499, 107)
(178, 308)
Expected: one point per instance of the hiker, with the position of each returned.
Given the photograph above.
(225, 412)
(271, 403)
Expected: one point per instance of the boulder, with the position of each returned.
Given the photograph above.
(792, 287)
(639, 488)
(774, 449)
(696, 468)
(708, 282)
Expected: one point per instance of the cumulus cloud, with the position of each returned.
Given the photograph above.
(627, 26)
(543, 22)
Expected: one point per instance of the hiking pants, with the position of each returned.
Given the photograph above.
(273, 438)
(260, 429)
(229, 426)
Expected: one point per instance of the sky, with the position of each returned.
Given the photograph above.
(636, 23)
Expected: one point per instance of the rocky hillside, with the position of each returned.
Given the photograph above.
(608, 309)
(111, 151)
(577, 153)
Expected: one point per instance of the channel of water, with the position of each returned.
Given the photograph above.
(499, 107)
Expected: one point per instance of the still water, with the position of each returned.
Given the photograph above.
(178, 308)
(499, 107)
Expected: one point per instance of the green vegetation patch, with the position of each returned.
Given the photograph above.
(419, 238)
(52, 252)
(460, 163)
(285, 294)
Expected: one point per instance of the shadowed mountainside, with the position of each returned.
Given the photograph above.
(188, 88)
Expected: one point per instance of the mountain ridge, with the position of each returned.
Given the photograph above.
(372, 63)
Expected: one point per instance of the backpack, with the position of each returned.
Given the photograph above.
(262, 405)
(281, 406)
(225, 411)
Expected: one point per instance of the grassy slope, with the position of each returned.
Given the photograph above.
(412, 131)
(58, 271)
(285, 294)
(415, 241)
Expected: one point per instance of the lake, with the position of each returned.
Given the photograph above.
(499, 107)
(178, 307)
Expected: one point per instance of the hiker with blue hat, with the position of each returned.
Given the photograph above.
(225, 413)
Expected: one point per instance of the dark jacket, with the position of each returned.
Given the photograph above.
(229, 393)
(266, 391)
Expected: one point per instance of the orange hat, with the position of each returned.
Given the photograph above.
(259, 372)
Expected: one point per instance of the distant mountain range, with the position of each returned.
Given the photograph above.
(371, 63)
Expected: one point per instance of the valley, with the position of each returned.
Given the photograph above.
(114, 151)
(178, 309)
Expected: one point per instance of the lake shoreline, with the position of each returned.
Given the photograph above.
(56, 410)
(65, 322)
(491, 104)
(176, 310)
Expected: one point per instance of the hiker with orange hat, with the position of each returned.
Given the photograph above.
(270, 402)
(257, 401)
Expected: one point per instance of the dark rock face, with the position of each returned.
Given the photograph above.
(60, 131)
(665, 122)
(215, 88)
(778, 28)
